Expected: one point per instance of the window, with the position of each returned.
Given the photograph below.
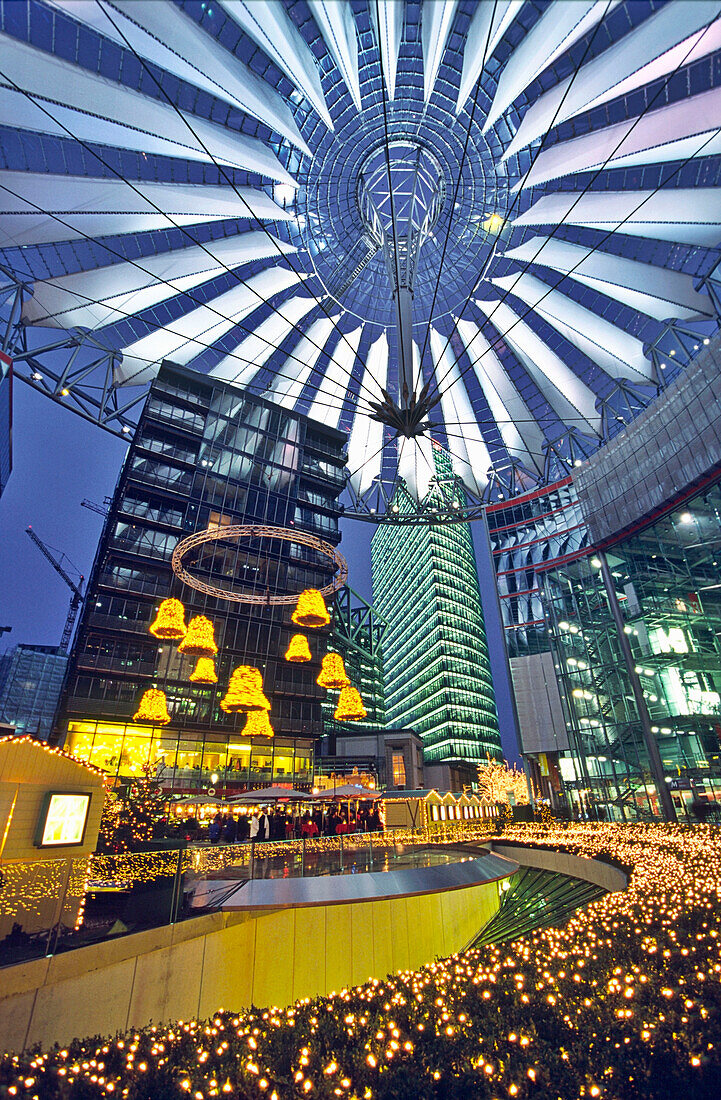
(219, 519)
(399, 770)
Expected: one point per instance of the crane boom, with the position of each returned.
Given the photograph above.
(101, 509)
(77, 590)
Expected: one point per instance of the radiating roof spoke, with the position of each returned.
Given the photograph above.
(657, 291)
(469, 453)
(436, 19)
(562, 24)
(489, 23)
(639, 57)
(292, 376)
(79, 206)
(691, 128)
(337, 25)
(328, 405)
(521, 433)
(570, 398)
(45, 93)
(166, 36)
(387, 23)
(106, 294)
(613, 350)
(269, 26)
(244, 362)
(415, 465)
(682, 215)
(193, 332)
(365, 444)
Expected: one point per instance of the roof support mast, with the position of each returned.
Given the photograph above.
(400, 196)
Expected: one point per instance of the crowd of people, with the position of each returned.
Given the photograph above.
(286, 824)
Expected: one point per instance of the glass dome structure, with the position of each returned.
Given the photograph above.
(490, 226)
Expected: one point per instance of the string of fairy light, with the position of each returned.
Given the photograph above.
(135, 868)
(622, 1002)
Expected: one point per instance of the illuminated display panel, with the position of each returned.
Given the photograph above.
(62, 820)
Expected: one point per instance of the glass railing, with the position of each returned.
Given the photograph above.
(51, 906)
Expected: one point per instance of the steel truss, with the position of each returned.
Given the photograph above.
(78, 371)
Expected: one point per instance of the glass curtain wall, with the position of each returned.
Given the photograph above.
(206, 455)
(668, 583)
(435, 656)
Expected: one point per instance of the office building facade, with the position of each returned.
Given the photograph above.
(435, 657)
(665, 582)
(31, 680)
(206, 455)
(612, 614)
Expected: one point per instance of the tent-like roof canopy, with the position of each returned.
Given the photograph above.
(249, 187)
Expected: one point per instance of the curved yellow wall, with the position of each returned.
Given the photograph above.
(232, 960)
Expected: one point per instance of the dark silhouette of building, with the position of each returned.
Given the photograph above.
(206, 454)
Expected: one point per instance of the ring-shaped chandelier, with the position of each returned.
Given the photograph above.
(251, 531)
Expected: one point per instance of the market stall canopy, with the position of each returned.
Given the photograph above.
(342, 794)
(271, 794)
(201, 800)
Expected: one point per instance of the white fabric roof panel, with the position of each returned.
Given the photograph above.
(190, 335)
(271, 28)
(293, 375)
(561, 25)
(247, 358)
(365, 444)
(489, 23)
(415, 465)
(664, 294)
(387, 23)
(337, 25)
(162, 33)
(103, 295)
(436, 20)
(469, 454)
(625, 65)
(89, 106)
(616, 352)
(570, 398)
(685, 215)
(328, 404)
(36, 208)
(519, 430)
(684, 130)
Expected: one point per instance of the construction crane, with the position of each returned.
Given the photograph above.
(77, 589)
(101, 509)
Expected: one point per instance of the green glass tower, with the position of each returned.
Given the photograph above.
(435, 657)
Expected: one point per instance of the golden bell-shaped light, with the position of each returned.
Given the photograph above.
(298, 650)
(257, 724)
(153, 708)
(170, 621)
(204, 672)
(245, 691)
(350, 706)
(333, 674)
(200, 639)
(311, 610)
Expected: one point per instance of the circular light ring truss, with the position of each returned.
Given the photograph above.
(251, 531)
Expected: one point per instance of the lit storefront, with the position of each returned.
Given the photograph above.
(190, 765)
